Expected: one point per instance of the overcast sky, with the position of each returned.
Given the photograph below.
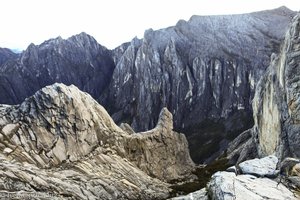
(111, 22)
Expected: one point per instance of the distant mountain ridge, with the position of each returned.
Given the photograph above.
(6, 54)
(204, 71)
(78, 60)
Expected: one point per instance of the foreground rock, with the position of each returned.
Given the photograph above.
(264, 167)
(62, 142)
(198, 195)
(253, 183)
(226, 185)
(290, 173)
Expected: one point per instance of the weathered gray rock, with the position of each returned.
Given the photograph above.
(286, 166)
(228, 186)
(290, 173)
(61, 142)
(198, 195)
(264, 167)
(204, 70)
(78, 60)
(276, 104)
(6, 55)
(254, 179)
(242, 148)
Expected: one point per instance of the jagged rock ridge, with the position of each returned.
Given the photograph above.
(6, 55)
(61, 141)
(79, 60)
(204, 70)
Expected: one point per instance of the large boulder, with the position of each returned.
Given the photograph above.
(228, 186)
(264, 167)
(198, 195)
(254, 179)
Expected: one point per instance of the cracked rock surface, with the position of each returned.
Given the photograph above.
(255, 182)
(61, 142)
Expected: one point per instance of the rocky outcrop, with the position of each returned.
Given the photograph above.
(257, 179)
(79, 60)
(198, 195)
(161, 152)
(226, 185)
(204, 70)
(61, 142)
(290, 173)
(275, 105)
(242, 148)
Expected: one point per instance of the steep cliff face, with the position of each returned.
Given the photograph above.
(275, 106)
(61, 141)
(276, 103)
(79, 60)
(203, 70)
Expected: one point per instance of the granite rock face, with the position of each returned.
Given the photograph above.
(264, 167)
(79, 60)
(204, 70)
(226, 185)
(198, 195)
(257, 179)
(62, 142)
(276, 103)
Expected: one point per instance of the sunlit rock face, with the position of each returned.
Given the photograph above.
(61, 141)
(277, 102)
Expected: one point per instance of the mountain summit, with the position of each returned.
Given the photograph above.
(78, 60)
